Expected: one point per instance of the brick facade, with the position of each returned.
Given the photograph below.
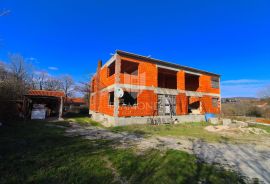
(145, 84)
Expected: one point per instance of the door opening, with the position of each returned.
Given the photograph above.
(166, 105)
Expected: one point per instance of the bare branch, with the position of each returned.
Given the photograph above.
(84, 87)
(67, 85)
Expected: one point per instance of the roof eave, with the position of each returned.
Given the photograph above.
(165, 63)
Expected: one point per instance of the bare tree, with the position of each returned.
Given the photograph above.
(2, 65)
(3, 72)
(18, 66)
(53, 84)
(13, 85)
(67, 85)
(43, 81)
(40, 79)
(84, 87)
(19, 74)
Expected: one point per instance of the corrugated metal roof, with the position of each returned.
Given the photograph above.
(46, 93)
(164, 63)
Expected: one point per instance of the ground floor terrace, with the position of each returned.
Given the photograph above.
(141, 104)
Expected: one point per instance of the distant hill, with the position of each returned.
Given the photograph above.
(238, 99)
(242, 98)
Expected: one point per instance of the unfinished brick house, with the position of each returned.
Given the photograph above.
(134, 89)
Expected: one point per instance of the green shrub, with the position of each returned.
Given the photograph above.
(254, 112)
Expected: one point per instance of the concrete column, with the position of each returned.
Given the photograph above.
(181, 80)
(220, 104)
(61, 108)
(98, 86)
(117, 82)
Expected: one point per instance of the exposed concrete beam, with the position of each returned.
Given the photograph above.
(166, 91)
(157, 90)
(110, 61)
(116, 85)
(193, 73)
(168, 68)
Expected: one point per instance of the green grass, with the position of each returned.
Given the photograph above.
(32, 152)
(264, 127)
(194, 130)
(82, 120)
(190, 130)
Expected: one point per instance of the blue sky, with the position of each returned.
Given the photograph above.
(68, 37)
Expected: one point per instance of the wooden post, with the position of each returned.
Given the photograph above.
(24, 108)
(61, 108)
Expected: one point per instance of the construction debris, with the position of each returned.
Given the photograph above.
(226, 122)
(241, 123)
(217, 128)
(256, 131)
(230, 129)
(214, 121)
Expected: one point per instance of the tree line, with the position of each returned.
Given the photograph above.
(18, 76)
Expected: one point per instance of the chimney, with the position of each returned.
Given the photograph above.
(99, 65)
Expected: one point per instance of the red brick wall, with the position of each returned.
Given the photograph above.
(147, 74)
(181, 80)
(207, 106)
(206, 85)
(147, 100)
(104, 106)
(105, 81)
(100, 103)
(101, 80)
(204, 80)
(193, 99)
(147, 105)
(181, 104)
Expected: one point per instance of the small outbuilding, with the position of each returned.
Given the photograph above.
(74, 105)
(43, 104)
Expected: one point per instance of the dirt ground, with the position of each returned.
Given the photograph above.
(235, 130)
(252, 160)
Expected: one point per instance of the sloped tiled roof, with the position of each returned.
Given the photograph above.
(46, 93)
(76, 100)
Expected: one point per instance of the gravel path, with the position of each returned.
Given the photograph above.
(252, 161)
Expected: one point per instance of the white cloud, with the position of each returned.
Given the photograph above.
(242, 87)
(244, 81)
(37, 72)
(31, 59)
(52, 68)
(42, 72)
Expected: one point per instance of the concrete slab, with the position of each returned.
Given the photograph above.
(226, 122)
(214, 121)
(109, 121)
(241, 124)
